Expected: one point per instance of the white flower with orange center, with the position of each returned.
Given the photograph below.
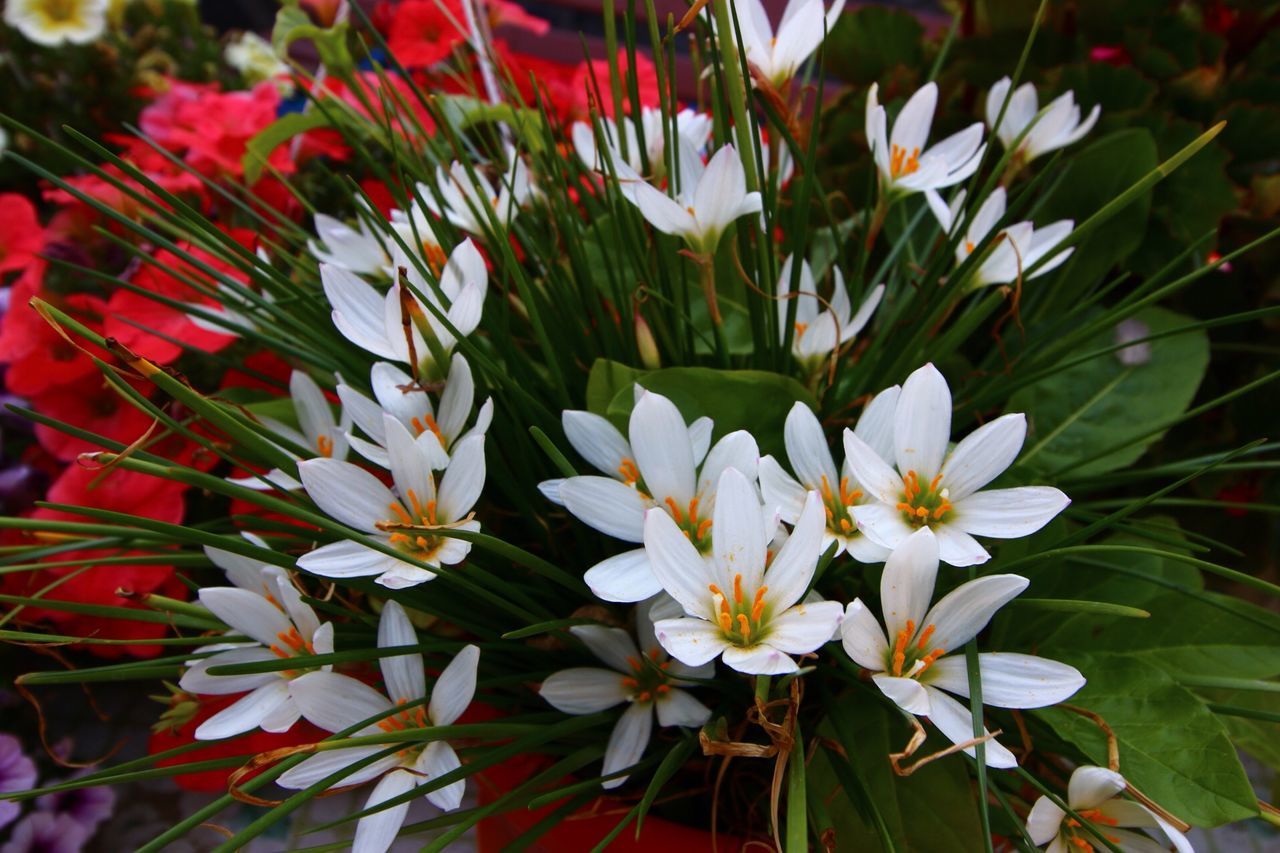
(358, 249)
(778, 56)
(1058, 127)
(398, 394)
(410, 520)
(911, 658)
(56, 22)
(692, 126)
(1093, 793)
(821, 328)
(472, 202)
(270, 613)
(337, 702)
(319, 432)
(930, 487)
(705, 200)
(904, 163)
(658, 468)
(397, 326)
(648, 681)
(743, 604)
(1017, 247)
(815, 471)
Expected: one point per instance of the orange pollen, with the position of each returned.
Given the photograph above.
(927, 660)
(675, 510)
(924, 636)
(434, 256)
(846, 525)
(427, 423)
(900, 647)
(757, 607)
(1096, 816)
(800, 329)
(968, 247)
(405, 719)
(324, 444)
(744, 626)
(291, 643)
(399, 512)
(663, 688)
(693, 511)
(629, 472)
(644, 696)
(901, 163)
(653, 654)
(737, 589)
(703, 527)
(630, 683)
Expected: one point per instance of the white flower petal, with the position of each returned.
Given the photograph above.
(346, 492)
(358, 311)
(376, 833)
(624, 577)
(608, 506)
(911, 127)
(738, 533)
(792, 568)
(862, 637)
(1044, 821)
(246, 713)
(921, 425)
(348, 559)
(958, 548)
(583, 690)
(435, 761)
(1008, 513)
(596, 441)
(403, 674)
(613, 646)
(983, 455)
(1090, 787)
(803, 628)
(780, 490)
(807, 450)
(882, 524)
(870, 469)
(700, 438)
(760, 659)
(737, 450)
(660, 440)
(679, 708)
(962, 613)
(907, 693)
(455, 688)
(627, 742)
(956, 722)
(906, 586)
(410, 468)
(284, 717)
(690, 641)
(247, 612)
(1009, 680)
(336, 702)
(678, 566)
(198, 680)
(325, 764)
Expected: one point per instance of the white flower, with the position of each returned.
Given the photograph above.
(649, 682)
(810, 458)
(404, 520)
(55, 22)
(662, 471)
(820, 330)
(904, 164)
(909, 657)
(1094, 794)
(320, 432)
(933, 488)
(471, 202)
(735, 607)
(265, 607)
(694, 127)
(398, 395)
(708, 199)
(1059, 127)
(376, 322)
(355, 249)
(254, 57)
(337, 702)
(1018, 247)
(778, 56)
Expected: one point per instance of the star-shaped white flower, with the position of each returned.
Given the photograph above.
(661, 470)
(356, 249)
(1018, 248)
(820, 329)
(930, 487)
(694, 127)
(735, 607)
(337, 702)
(910, 658)
(648, 681)
(1059, 127)
(472, 202)
(778, 56)
(1094, 794)
(404, 520)
(904, 163)
(811, 461)
(320, 432)
(397, 394)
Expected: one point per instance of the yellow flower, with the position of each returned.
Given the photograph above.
(54, 22)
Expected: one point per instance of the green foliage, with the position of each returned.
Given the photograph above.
(871, 42)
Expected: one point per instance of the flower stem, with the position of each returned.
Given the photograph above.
(708, 274)
(736, 91)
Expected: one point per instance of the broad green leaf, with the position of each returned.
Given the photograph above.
(1076, 416)
(606, 380)
(293, 23)
(1259, 738)
(753, 400)
(1171, 746)
(281, 130)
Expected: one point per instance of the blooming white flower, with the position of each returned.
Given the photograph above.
(337, 702)
(470, 201)
(694, 127)
(254, 57)
(1059, 127)
(811, 460)
(404, 520)
(930, 487)
(1094, 794)
(320, 432)
(708, 199)
(55, 22)
(648, 681)
(661, 471)
(267, 608)
(820, 330)
(908, 657)
(357, 249)
(375, 321)
(735, 607)
(905, 165)
(779, 55)
(1018, 247)
(397, 394)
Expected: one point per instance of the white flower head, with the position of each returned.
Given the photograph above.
(337, 702)
(691, 126)
(376, 322)
(56, 22)
(406, 520)
(1058, 127)
(928, 487)
(397, 394)
(472, 202)
(266, 608)
(706, 201)
(1017, 248)
(1094, 794)
(357, 249)
(778, 56)
(736, 608)
(643, 678)
(911, 658)
(665, 465)
(319, 431)
(821, 329)
(904, 163)
(815, 471)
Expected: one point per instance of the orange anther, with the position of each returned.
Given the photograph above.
(324, 444)
(693, 511)
(675, 510)
(630, 683)
(737, 588)
(744, 627)
(925, 635)
(703, 527)
(757, 606)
